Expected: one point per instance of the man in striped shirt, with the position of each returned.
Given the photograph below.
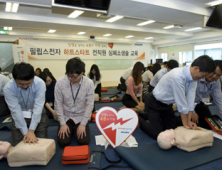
(74, 99)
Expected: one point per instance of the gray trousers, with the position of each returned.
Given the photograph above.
(40, 131)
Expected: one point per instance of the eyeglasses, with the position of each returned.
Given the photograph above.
(72, 76)
(24, 85)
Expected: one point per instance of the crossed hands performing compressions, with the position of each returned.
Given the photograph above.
(195, 118)
(30, 137)
(64, 130)
(187, 123)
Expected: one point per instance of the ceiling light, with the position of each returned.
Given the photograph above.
(148, 38)
(11, 7)
(106, 35)
(193, 29)
(129, 36)
(117, 17)
(51, 31)
(168, 27)
(15, 7)
(7, 28)
(75, 14)
(8, 7)
(80, 33)
(145, 23)
(214, 3)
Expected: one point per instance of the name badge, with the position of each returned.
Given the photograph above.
(138, 95)
(50, 104)
(27, 114)
(74, 108)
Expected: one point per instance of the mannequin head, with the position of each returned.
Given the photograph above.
(166, 139)
(4, 147)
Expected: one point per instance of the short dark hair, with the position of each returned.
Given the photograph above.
(23, 71)
(205, 63)
(165, 62)
(75, 65)
(171, 64)
(156, 68)
(218, 63)
(45, 69)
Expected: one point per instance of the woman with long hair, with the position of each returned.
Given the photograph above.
(133, 97)
(95, 76)
(47, 77)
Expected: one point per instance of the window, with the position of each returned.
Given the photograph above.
(163, 56)
(212, 50)
(185, 57)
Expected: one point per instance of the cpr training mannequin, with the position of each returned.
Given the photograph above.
(185, 139)
(28, 154)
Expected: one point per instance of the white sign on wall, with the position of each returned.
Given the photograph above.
(19, 54)
(51, 49)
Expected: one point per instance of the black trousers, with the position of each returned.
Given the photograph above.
(128, 101)
(150, 88)
(161, 117)
(67, 140)
(202, 111)
(4, 110)
(123, 84)
(98, 89)
(40, 131)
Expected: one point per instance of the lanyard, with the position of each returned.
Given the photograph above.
(208, 87)
(74, 99)
(25, 103)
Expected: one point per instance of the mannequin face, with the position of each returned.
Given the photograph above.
(168, 135)
(166, 139)
(4, 147)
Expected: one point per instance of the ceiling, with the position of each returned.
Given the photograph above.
(34, 18)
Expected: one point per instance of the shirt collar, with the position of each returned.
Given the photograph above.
(187, 73)
(204, 81)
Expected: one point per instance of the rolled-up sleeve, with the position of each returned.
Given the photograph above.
(179, 96)
(191, 95)
(38, 105)
(15, 108)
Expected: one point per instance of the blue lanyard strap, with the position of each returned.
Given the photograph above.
(25, 103)
(74, 99)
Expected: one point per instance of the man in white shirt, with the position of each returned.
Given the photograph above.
(124, 78)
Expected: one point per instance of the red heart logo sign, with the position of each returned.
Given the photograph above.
(115, 126)
(110, 45)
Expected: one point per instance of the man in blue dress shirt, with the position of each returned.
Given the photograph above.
(178, 86)
(25, 96)
(171, 64)
(209, 86)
